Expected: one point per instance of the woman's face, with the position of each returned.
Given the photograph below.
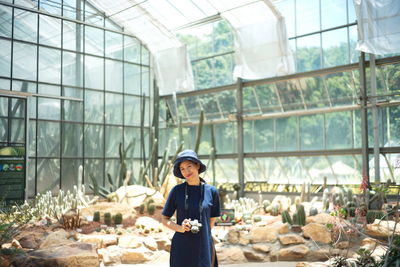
(189, 169)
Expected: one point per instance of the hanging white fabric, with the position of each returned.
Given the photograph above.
(261, 44)
(173, 70)
(378, 26)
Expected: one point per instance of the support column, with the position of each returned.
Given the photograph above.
(364, 119)
(374, 109)
(240, 146)
(156, 112)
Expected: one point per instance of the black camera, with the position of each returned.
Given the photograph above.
(195, 226)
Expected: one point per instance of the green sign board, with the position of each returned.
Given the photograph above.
(227, 218)
(12, 173)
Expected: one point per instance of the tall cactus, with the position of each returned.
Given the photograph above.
(300, 215)
(286, 217)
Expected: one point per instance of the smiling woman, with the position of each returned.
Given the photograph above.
(197, 206)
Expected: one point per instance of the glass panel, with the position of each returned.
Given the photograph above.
(145, 81)
(112, 169)
(50, 6)
(49, 89)
(32, 108)
(28, 3)
(48, 175)
(24, 61)
(311, 128)
(226, 138)
(69, 173)
(132, 135)
(132, 78)
(5, 58)
(341, 88)
(72, 69)
(94, 106)
(93, 16)
(333, 13)
(223, 69)
(17, 108)
(25, 25)
(72, 92)
(32, 138)
(49, 31)
(114, 108)
(4, 83)
(49, 109)
(3, 130)
(49, 65)
(113, 139)
(94, 141)
(72, 110)
(30, 176)
(307, 16)
(48, 139)
(72, 140)
(335, 48)
(94, 168)
(94, 41)
(23, 86)
(114, 45)
(94, 68)
(145, 56)
(17, 130)
(308, 53)
(338, 130)
(132, 110)
(5, 21)
(264, 135)
(4, 106)
(131, 49)
(73, 36)
(226, 171)
(222, 37)
(71, 10)
(291, 97)
(112, 25)
(287, 139)
(268, 98)
(114, 75)
(354, 54)
(203, 73)
(314, 91)
(352, 12)
(248, 136)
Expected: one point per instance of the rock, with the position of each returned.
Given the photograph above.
(342, 245)
(290, 239)
(263, 234)
(31, 241)
(58, 238)
(318, 255)
(293, 253)
(230, 254)
(317, 232)
(16, 244)
(160, 257)
(244, 238)
(134, 195)
(138, 255)
(129, 241)
(321, 218)
(369, 243)
(101, 241)
(262, 248)
(112, 207)
(164, 244)
(147, 222)
(382, 228)
(252, 255)
(378, 252)
(233, 236)
(111, 254)
(150, 243)
(71, 255)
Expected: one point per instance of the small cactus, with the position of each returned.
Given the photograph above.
(266, 204)
(118, 218)
(297, 200)
(96, 216)
(141, 208)
(286, 217)
(313, 211)
(257, 219)
(352, 211)
(151, 208)
(301, 215)
(275, 209)
(107, 218)
(372, 215)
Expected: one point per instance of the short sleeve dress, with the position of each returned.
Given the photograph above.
(188, 249)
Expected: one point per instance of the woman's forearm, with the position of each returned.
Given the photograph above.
(172, 225)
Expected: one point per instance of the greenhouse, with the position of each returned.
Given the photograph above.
(281, 100)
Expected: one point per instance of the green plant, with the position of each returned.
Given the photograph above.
(275, 209)
(364, 258)
(141, 208)
(300, 216)
(339, 261)
(151, 208)
(257, 219)
(96, 216)
(286, 217)
(107, 218)
(118, 218)
(352, 211)
(372, 215)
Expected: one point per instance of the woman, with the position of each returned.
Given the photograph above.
(192, 245)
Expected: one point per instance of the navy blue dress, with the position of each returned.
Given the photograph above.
(188, 249)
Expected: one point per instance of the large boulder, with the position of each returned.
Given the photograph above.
(292, 253)
(134, 195)
(230, 254)
(317, 232)
(268, 233)
(101, 241)
(321, 218)
(137, 255)
(382, 228)
(111, 254)
(291, 239)
(70, 255)
(58, 238)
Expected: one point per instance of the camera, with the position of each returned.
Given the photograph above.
(195, 226)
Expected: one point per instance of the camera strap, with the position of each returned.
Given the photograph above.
(200, 201)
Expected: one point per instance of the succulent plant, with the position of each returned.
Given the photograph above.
(118, 218)
(107, 218)
(141, 208)
(151, 208)
(286, 217)
(96, 216)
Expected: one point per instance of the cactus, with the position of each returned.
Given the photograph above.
(352, 211)
(141, 208)
(107, 218)
(266, 203)
(325, 199)
(151, 208)
(149, 202)
(257, 219)
(275, 209)
(295, 219)
(286, 217)
(297, 200)
(372, 215)
(301, 215)
(96, 216)
(313, 211)
(118, 218)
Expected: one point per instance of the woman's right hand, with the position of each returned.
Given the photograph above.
(185, 226)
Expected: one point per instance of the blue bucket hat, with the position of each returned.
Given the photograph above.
(187, 155)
